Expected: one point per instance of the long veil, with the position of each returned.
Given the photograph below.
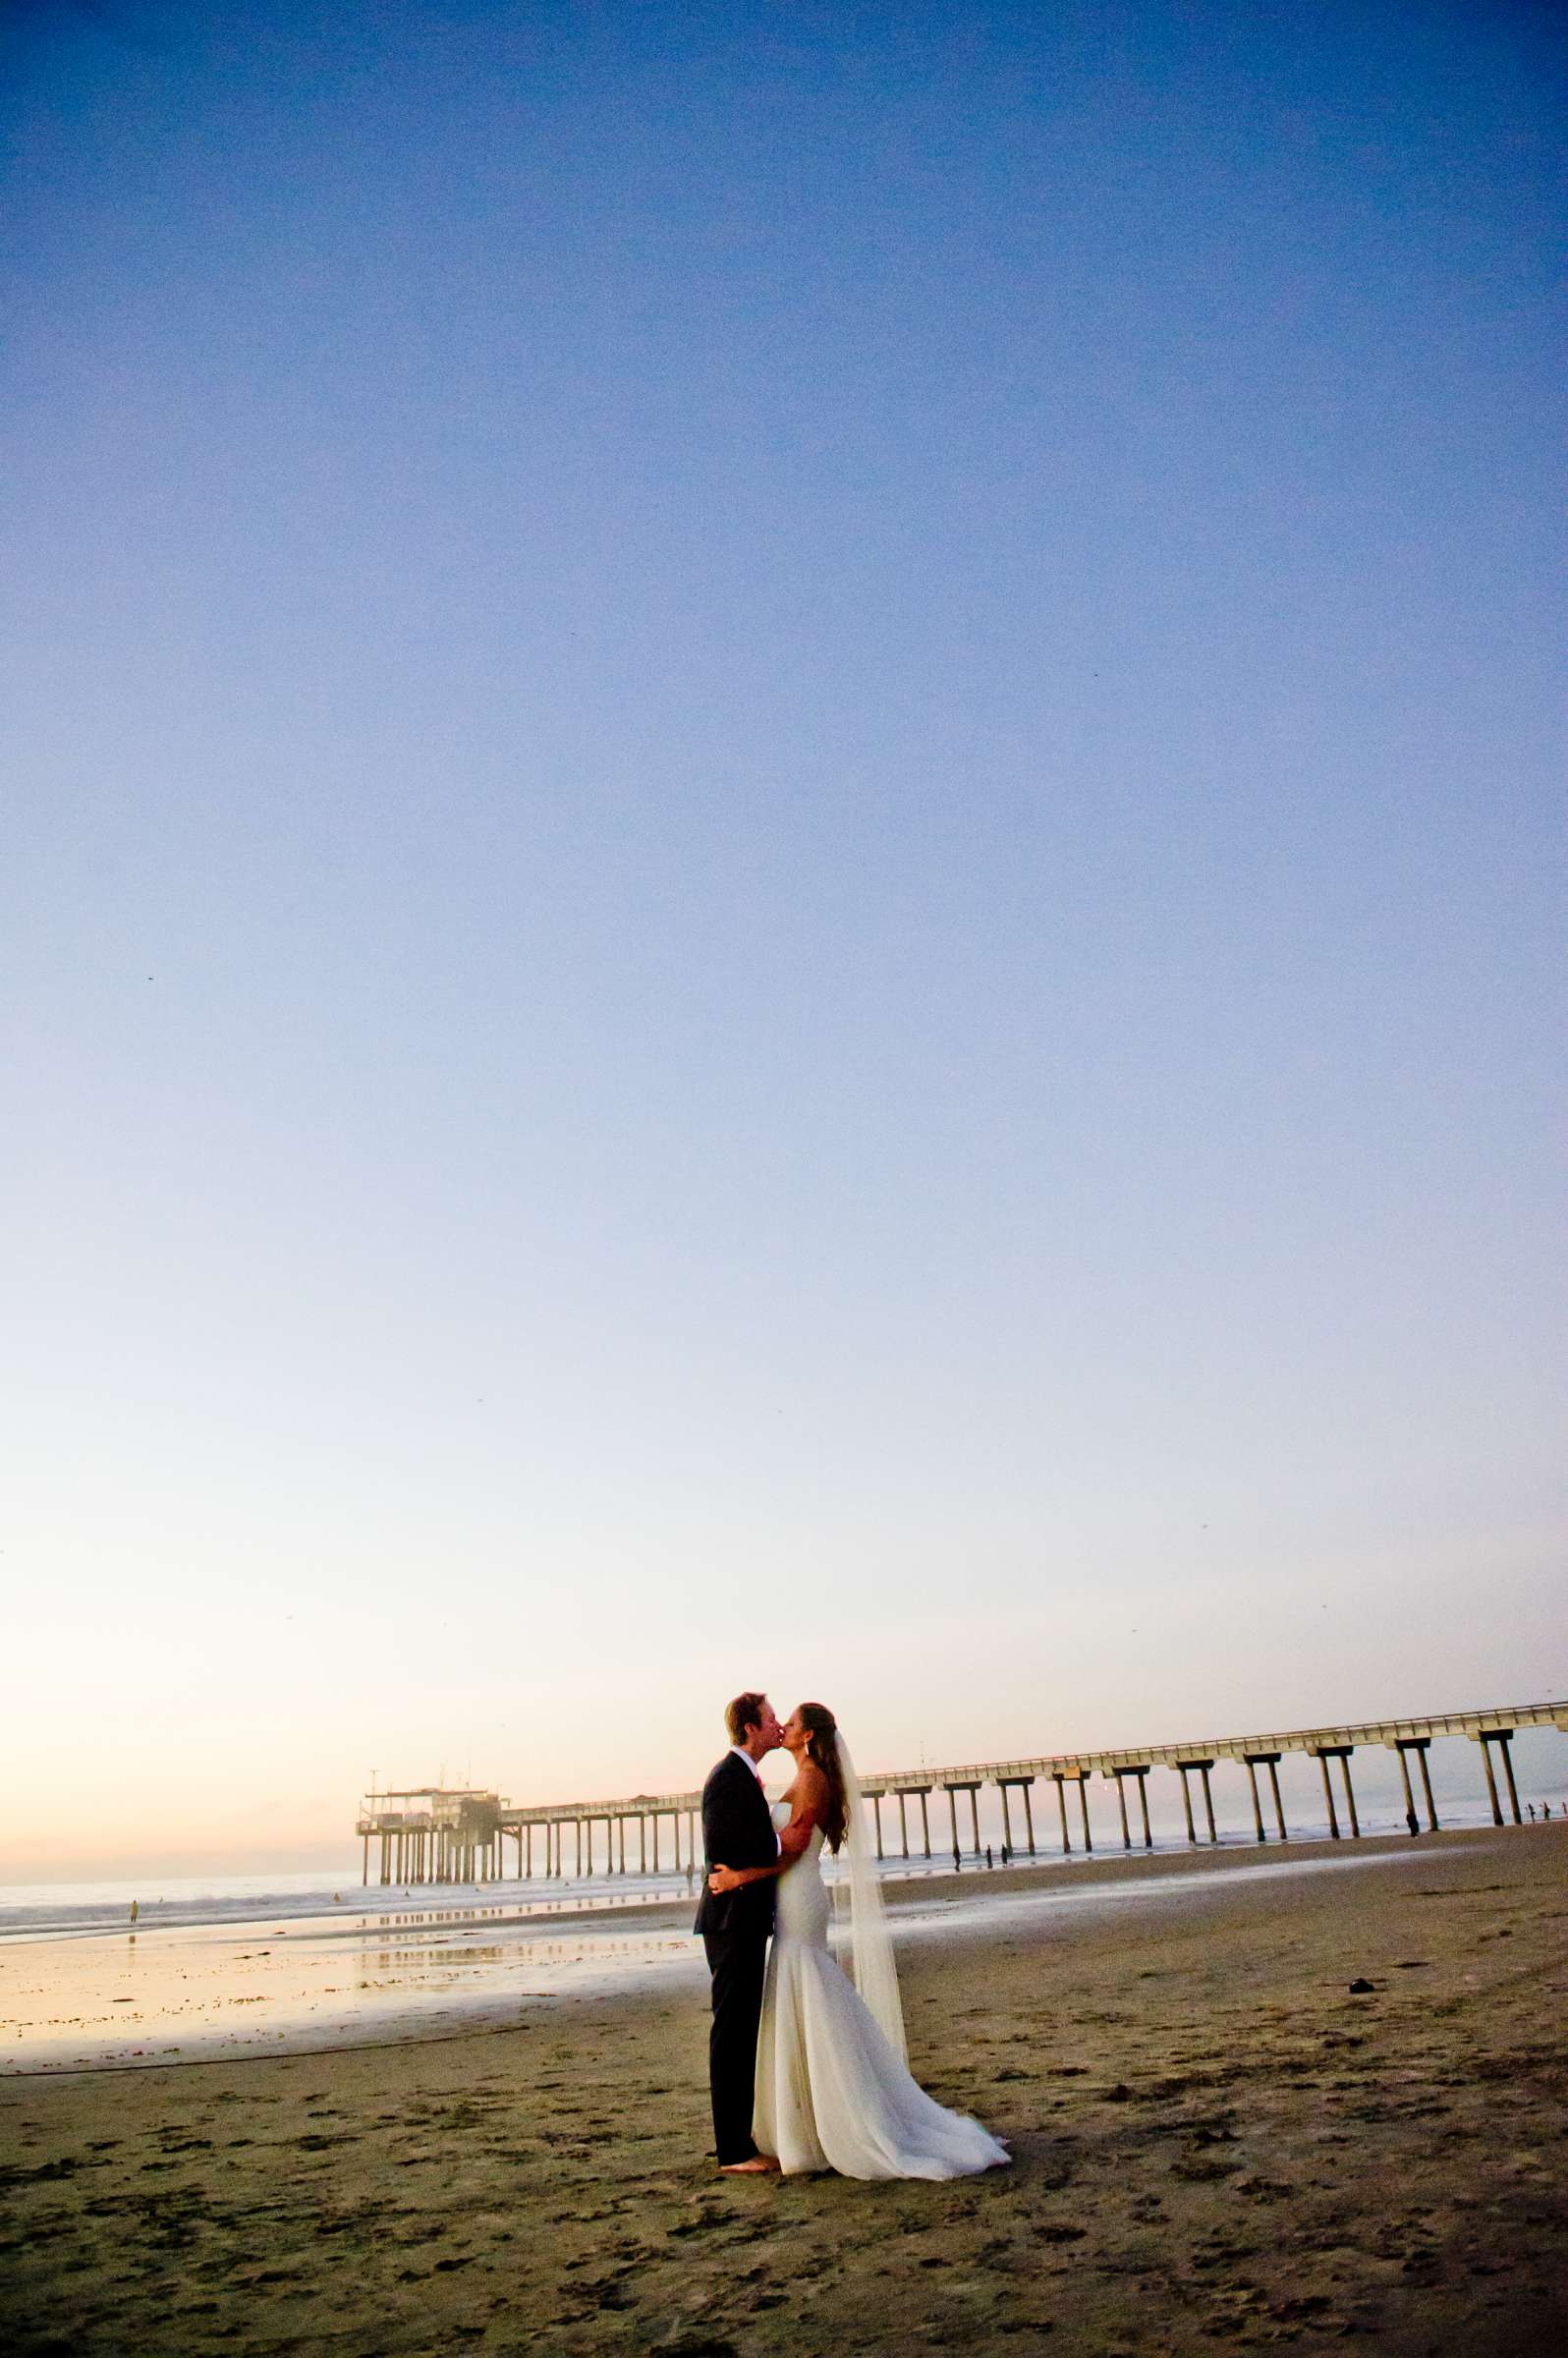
(876, 1975)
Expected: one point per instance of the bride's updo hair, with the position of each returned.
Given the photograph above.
(821, 1749)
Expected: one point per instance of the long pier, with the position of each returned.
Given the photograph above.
(446, 1834)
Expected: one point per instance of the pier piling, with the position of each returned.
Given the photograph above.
(1202, 1764)
(1021, 1786)
(1269, 1760)
(1329, 1795)
(1340, 1753)
(1503, 1738)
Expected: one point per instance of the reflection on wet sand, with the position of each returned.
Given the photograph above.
(97, 2003)
(109, 2001)
(424, 1920)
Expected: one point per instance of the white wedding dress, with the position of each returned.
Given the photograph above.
(832, 2090)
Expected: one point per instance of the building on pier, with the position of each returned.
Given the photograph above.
(429, 1835)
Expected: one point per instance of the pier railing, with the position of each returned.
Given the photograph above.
(437, 1835)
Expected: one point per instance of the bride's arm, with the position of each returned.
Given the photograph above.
(805, 1797)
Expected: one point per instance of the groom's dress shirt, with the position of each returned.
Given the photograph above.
(756, 1766)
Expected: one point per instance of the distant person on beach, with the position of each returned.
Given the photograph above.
(833, 2089)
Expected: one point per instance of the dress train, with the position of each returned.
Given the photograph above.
(832, 2091)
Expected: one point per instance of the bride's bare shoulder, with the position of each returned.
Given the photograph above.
(809, 1783)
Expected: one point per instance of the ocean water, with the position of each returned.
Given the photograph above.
(73, 1911)
(102, 1907)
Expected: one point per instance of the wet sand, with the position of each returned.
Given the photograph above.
(202, 1993)
(221, 1992)
(1218, 2146)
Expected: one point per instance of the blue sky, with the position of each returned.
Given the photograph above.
(783, 885)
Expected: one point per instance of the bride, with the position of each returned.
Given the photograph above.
(833, 2089)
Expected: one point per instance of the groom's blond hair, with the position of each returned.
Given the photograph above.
(743, 1712)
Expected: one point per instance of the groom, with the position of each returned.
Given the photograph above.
(738, 1832)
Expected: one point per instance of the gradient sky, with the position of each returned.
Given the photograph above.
(781, 893)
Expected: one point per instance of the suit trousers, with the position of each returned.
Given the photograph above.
(738, 1962)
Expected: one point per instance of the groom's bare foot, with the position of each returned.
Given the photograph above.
(757, 2166)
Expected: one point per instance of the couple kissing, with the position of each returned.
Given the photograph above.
(807, 2066)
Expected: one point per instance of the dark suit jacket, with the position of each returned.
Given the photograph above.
(737, 1832)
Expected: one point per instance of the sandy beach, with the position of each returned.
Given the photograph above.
(1218, 2146)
